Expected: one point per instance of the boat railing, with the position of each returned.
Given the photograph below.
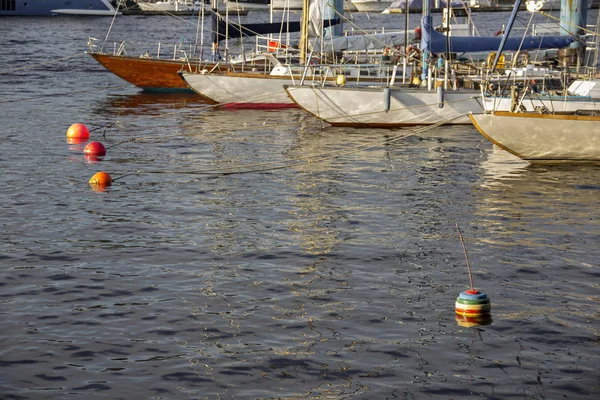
(175, 51)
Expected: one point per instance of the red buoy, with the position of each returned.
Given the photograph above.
(95, 149)
(100, 180)
(78, 131)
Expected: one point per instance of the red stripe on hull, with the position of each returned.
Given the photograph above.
(258, 106)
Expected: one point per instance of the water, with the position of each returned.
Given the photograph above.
(328, 279)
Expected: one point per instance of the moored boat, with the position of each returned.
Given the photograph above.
(375, 6)
(57, 7)
(159, 74)
(543, 137)
(389, 107)
(259, 90)
(170, 5)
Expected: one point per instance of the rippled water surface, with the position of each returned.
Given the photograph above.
(330, 277)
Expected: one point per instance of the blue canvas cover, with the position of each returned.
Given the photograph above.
(435, 42)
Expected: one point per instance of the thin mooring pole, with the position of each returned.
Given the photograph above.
(466, 256)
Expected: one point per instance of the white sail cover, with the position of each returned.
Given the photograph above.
(361, 42)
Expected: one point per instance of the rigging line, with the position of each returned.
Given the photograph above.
(111, 25)
(62, 94)
(188, 25)
(404, 108)
(572, 24)
(364, 32)
(10, 71)
(314, 158)
(301, 161)
(180, 135)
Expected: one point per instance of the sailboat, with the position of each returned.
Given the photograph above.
(170, 5)
(151, 70)
(546, 135)
(551, 137)
(256, 89)
(389, 106)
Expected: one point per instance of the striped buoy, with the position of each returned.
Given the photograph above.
(469, 322)
(473, 303)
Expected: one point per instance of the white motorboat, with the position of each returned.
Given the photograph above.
(171, 5)
(374, 6)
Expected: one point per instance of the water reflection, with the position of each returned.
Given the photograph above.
(499, 166)
(148, 103)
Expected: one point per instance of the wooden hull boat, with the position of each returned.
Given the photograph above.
(535, 137)
(146, 73)
(156, 74)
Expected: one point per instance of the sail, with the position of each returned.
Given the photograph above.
(435, 42)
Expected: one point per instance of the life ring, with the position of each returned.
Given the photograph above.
(500, 32)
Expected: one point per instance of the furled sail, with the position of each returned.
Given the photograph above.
(362, 42)
(435, 42)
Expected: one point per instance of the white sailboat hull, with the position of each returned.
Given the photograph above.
(369, 106)
(542, 137)
(237, 90)
(376, 6)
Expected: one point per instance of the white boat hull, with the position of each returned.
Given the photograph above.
(375, 6)
(169, 6)
(368, 106)
(101, 13)
(237, 90)
(542, 137)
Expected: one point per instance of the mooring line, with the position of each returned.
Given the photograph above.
(70, 93)
(10, 71)
(278, 165)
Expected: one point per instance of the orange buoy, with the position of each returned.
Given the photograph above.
(76, 140)
(78, 131)
(100, 180)
(95, 149)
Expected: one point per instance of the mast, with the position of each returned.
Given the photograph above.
(573, 17)
(404, 62)
(507, 32)
(424, 45)
(304, 31)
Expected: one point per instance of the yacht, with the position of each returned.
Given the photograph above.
(56, 7)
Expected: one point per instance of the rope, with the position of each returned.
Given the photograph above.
(62, 94)
(278, 165)
(401, 108)
(576, 26)
(111, 25)
(10, 71)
